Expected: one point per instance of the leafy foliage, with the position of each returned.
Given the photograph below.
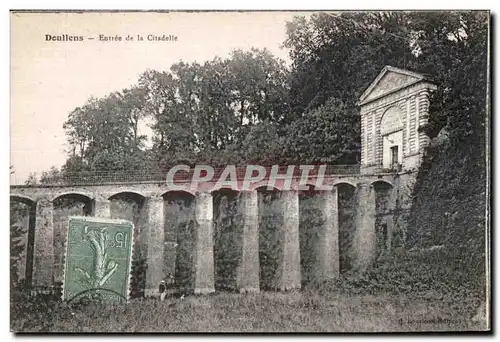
(332, 133)
(250, 108)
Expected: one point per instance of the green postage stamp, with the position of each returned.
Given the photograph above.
(98, 258)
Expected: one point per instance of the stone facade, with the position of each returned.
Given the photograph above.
(393, 109)
(154, 232)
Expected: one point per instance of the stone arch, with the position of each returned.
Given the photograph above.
(381, 183)
(263, 188)
(22, 199)
(78, 195)
(65, 205)
(314, 205)
(180, 193)
(132, 206)
(179, 237)
(227, 237)
(344, 182)
(391, 120)
(224, 188)
(22, 225)
(136, 199)
(129, 193)
(312, 186)
(271, 221)
(347, 208)
(383, 214)
(312, 189)
(260, 186)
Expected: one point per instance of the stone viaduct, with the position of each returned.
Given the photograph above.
(393, 109)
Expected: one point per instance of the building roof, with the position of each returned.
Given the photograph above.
(416, 76)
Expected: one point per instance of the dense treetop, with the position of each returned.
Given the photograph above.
(250, 108)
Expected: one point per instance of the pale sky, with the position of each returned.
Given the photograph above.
(49, 79)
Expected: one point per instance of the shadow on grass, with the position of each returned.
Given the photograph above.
(296, 311)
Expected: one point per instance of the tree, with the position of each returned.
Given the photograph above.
(339, 55)
(104, 133)
(31, 180)
(203, 112)
(328, 134)
(264, 144)
(53, 176)
(259, 86)
(172, 121)
(453, 48)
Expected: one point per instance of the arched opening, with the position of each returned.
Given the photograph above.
(130, 206)
(391, 132)
(180, 237)
(66, 205)
(311, 222)
(347, 214)
(228, 232)
(14, 198)
(383, 216)
(270, 237)
(22, 237)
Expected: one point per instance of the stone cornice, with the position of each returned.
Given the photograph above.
(396, 96)
(418, 77)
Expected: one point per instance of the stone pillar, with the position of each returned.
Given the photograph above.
(364, 138)
(406, 137)
(155, 244)
(413, 135)
(290, 263)
(102, 207)
(204, 279)
(329, 254)
(424, 103)
(392, 217)
(374, 138)
(248, 271)
(364, 238)
(43, 263)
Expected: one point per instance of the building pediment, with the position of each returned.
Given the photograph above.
(390, 80)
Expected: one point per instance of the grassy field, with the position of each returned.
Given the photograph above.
(300, 311)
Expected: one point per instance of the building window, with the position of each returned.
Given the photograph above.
(394, 156)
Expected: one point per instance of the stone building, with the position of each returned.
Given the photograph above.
(393, 109)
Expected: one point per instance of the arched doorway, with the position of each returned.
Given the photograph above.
(22, 237)
(347, 207)
(383, 216)
(391, 131)
(66, 205)
(130, 206)
(271, 221)
(179, 239)
(228, 233)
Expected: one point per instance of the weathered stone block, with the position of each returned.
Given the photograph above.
(290, 263)
(204, 281)
(155, 245)
(43, 263)
(364, 242)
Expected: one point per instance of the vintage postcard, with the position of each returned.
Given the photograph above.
(250, 171)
